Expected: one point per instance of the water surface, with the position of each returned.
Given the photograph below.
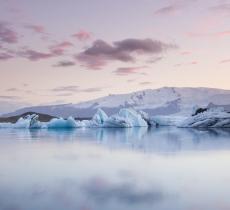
(111, 169)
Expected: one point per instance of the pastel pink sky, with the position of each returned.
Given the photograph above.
(74, 50)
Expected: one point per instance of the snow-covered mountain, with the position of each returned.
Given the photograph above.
(162, 101)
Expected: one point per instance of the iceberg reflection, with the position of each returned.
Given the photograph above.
(162, 139)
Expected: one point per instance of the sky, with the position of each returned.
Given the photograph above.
(69, 51)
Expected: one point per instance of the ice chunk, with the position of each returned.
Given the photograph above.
(97, 121)
(29, 121)
(100, 117)
(89, 124)
(22, 123)
(126, 118)
(116, 121)
(146, 117)
(63, 123)
(34, 122)
(170, 120)
(214, 117)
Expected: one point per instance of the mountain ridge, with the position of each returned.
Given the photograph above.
(161, 101)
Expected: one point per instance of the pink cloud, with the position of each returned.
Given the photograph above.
(36, 28)
(5, 56)
(35, 55)
(64, 44)
(60, 48)
(127, 50)
(7, 35)
(64, 63)
(174, 8)
(124, 71)
(57, 51)
(91, 62)
(184, 64)
(83, 35)
(154, 60)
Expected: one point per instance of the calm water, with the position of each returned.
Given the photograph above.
(115, 169)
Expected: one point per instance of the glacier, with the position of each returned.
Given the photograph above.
(162, 101)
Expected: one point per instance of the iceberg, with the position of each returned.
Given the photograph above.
(170, 120)
(126, 118)
(146, 117)
(213, 117)
(29, 121)
(98, 120)
(100, 117)
(34, 122)
(22, 122)
(63, 123)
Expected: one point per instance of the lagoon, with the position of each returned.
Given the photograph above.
(114, 168)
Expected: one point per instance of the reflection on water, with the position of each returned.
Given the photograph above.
(111, 169)
(164, 139)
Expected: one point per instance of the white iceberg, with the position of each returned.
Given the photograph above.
(29, 121)
(97, 121)
(146, 117)
(22, 123)
(126, 118)
(63, 123)
(214, 117)
(170, 120)
(34, 122)
(100, 117)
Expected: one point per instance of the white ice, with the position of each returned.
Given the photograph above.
(214, 117)
(124, 118)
